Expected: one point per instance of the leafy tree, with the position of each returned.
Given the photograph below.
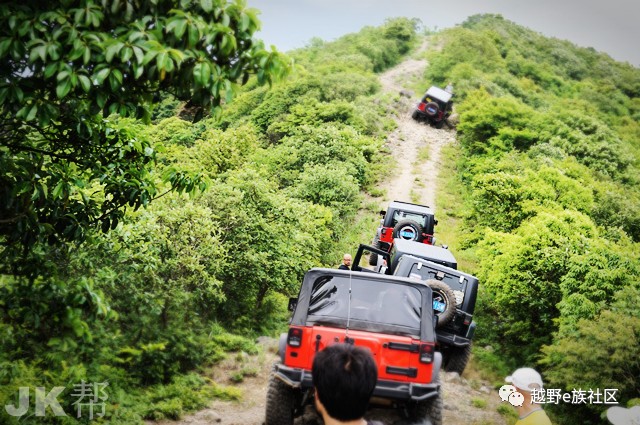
(600, 352)
(550, 133)
(67, 66)
(330, 185)
(492, 125)
(522, 272)
(403, 30)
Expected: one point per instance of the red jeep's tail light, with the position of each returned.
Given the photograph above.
(294, 338)
(384, 231)
(426, 353)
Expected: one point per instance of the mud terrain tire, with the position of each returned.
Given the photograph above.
(431, 408)
(408, 226)
(281, 401)
(458, 357)
(373, 257)
(443, 293)
(415, 115)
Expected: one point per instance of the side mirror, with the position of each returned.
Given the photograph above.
(383, 213)
(293, 302)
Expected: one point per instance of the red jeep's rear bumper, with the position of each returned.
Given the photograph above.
(405, 391)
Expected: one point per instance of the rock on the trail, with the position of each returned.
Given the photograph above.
(452, 377)
(204, 416)
(406, 93)
(485, 390)
(268, 343)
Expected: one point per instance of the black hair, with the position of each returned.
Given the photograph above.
(344, 377)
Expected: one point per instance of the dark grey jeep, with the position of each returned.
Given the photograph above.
(454, 292)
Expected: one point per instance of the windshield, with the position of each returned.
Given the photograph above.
(403, 215)
(375, 306)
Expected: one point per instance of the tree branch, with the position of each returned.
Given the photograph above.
(12, 219)
(41, 151)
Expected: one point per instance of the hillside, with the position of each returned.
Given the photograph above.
(151, 240)
(463, 402)
(549, 166)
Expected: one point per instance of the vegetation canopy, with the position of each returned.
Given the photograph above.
(549, 165)
(68, 67)
(94, 288)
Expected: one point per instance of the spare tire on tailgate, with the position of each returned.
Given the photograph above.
(444, 301)
(408, 230)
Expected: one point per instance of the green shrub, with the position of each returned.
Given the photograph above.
(480, 403)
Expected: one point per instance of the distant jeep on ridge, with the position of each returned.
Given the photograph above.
(434, 107)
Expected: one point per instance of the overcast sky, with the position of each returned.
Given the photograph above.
(611, 26)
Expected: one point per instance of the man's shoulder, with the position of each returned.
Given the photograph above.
(537, 417)
(374, 423)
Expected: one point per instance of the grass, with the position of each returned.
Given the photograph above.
(508, 412)
(450, 195)
(424, 153)
(377, 192)
(415, 196)
(479, 403)
(239, 376)
(423, 156)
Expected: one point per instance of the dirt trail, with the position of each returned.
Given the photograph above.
(467, 400)
(414, 145)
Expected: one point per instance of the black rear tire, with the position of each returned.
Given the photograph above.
(443, 293)
(281, 402)
(430, 408)
(405, 227)
(373, 257)
(457, 360)
(415, 115)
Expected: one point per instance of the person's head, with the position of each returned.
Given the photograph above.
(346, 260)
(525, 380)
(344, 377)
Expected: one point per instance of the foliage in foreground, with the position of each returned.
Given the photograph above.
(66, 67)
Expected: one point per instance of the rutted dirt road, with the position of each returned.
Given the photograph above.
(467, 400)
(416, 172)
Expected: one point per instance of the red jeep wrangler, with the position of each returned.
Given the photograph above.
(391, 316)
(404, 220)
